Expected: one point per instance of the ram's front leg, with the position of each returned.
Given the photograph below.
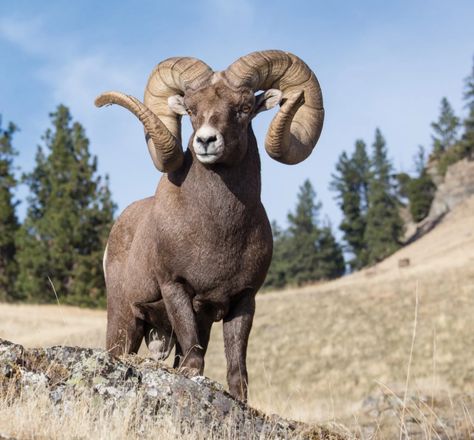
(181, 315)
(237, 326)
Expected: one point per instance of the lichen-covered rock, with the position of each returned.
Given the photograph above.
(66, 372)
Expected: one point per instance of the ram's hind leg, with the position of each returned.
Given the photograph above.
(124, 330)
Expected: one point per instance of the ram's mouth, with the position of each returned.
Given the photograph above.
(207, 157)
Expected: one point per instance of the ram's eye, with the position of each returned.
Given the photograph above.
(245, 108)
(189, 112)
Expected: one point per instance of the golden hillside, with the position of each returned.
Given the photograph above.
(316, 352)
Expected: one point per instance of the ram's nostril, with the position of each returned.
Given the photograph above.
(206, 140)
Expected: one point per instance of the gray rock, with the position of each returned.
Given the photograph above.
(456, 187)
(67, 372)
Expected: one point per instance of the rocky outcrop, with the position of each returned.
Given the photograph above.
(456, 186)
(68, 372)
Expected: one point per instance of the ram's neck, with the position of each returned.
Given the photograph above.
(222, 189)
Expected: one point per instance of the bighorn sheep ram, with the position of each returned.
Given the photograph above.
(199, 249)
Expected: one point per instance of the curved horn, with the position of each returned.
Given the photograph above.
(296, 128)
(164, 149)
(162, 126)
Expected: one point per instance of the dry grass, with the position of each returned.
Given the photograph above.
(315, 353)
(39, 419)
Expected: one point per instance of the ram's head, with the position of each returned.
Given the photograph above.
(221, 106)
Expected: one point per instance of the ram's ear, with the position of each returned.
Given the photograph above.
(176, 103)
(267, 100)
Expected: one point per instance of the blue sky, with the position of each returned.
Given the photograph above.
(380, 64)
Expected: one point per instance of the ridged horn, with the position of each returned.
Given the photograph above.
(295, 129)
(162, 126)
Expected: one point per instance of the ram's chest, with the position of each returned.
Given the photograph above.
(227, 251)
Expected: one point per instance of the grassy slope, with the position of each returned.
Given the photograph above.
(316, 352)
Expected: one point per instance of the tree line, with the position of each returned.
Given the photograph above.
(56, 251)
(371, 196)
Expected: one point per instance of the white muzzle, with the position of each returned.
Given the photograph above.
(208, 144)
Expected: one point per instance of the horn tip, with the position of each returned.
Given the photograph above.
(102, 100)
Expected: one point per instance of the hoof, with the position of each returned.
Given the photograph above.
(189, 371)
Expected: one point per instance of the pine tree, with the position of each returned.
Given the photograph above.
(305, 252)
(445, 129)
(361, 162)
(421, 189)
(467, 140)
(69, 214)
(8, 218)
(306, 216)
(421, 193)
(419, 160)
(277, 272)
(311, 253)
(445, 138)
(331, 259)
(384, 225)
(351, 184)
(301, 251)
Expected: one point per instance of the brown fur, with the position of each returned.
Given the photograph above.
(199, 250)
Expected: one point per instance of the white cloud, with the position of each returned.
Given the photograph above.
(75, 75)
(24, 33)
(76, 81)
